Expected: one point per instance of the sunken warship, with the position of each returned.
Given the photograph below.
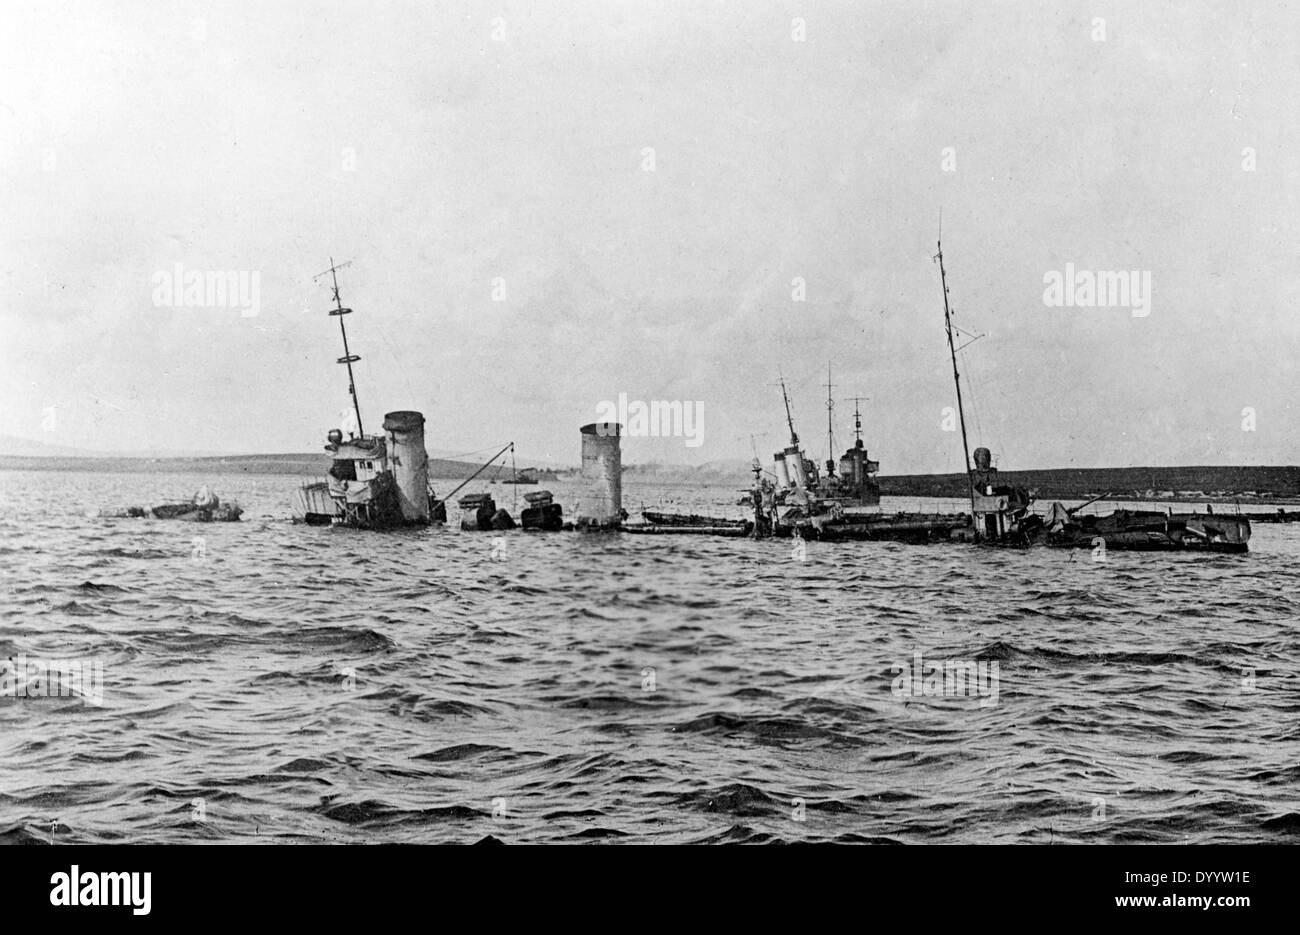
(381, 482)
(374, 481)
(802, 504)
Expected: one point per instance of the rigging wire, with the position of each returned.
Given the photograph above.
(974, 406)
(994, 438)
(465, 454)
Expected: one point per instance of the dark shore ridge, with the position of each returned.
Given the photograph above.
(1135, 483)
(308, 465)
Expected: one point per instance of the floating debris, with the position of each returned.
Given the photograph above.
(542, 512)
(480, 514)
(203, 507)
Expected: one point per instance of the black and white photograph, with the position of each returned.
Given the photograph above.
(599, 422)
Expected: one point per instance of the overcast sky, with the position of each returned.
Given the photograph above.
(454, 150)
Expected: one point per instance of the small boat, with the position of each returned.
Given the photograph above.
(526, 476)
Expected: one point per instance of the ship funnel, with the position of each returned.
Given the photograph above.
(857, 470)
(601, 504)
(410, 463)
(782, 470)
(794, 461)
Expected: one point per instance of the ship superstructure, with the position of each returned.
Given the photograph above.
(374, 481)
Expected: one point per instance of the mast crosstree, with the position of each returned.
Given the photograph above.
(857, 419)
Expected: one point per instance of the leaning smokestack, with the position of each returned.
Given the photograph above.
(794, 461)
(782, 470)
(410, 463)
(601, 506)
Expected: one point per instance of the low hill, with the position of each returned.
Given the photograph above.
(1280, 483)
(305, 465)
(1135, 483)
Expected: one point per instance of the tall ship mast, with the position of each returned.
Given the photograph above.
(857, 421)
(830, 425)
(999, 513)
(348, 357)
(789, 420)
(956, 381)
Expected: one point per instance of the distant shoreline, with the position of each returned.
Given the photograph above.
(1262, 485)
(292, 465)
(1193, 484)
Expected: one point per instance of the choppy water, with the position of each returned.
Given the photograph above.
(295, 684)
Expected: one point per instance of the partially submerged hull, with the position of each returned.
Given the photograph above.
(676, 524)
(1123, 530)
(881, 527)
(686, 519)
(371, 505)
(735, 531)
(1154, 531)
(313, 505)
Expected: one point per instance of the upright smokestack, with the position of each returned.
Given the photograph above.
(410, 463)
(601, 503)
